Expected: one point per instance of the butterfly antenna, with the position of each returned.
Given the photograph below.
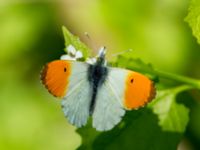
(119, 53)
(87, 35)
(93, 44)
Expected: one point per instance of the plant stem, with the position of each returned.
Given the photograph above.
(193, 82)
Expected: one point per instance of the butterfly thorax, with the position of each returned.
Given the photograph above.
(97, 74)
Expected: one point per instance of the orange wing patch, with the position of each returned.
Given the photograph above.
(139, 90)
(55, 76)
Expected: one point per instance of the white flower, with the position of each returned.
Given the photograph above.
(67, 57)
(78, 54)
(72, 54)
(71, 50)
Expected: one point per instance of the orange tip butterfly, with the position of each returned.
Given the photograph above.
(93, 89)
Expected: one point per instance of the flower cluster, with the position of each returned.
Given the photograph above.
(72, 54)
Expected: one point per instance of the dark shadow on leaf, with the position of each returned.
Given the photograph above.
(191, 133)
(138, 130)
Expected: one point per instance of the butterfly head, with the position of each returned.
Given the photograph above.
(101, 56)
(102, 52)
(99, 59)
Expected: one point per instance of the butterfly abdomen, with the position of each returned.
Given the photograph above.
(96, 76)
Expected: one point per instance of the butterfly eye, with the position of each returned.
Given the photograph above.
(132, 80)
(65, 69)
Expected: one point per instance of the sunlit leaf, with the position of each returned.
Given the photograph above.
(193, 18)
(71, 39)
(172, 116)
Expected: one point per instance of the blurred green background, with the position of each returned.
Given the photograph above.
(31, 36)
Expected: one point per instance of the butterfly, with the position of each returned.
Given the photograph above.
(94, 89)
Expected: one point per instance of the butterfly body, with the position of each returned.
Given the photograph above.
(97, 74)
(96, 90)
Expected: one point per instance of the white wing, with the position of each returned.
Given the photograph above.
(108, 109)
(77, 100)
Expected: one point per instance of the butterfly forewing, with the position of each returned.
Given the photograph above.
(68, 80)
(55, 77)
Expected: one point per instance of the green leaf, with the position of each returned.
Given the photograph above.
(193, 18)
(88, 134)
(71, 39)
(172, 116)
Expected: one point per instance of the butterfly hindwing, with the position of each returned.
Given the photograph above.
(109, 107)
